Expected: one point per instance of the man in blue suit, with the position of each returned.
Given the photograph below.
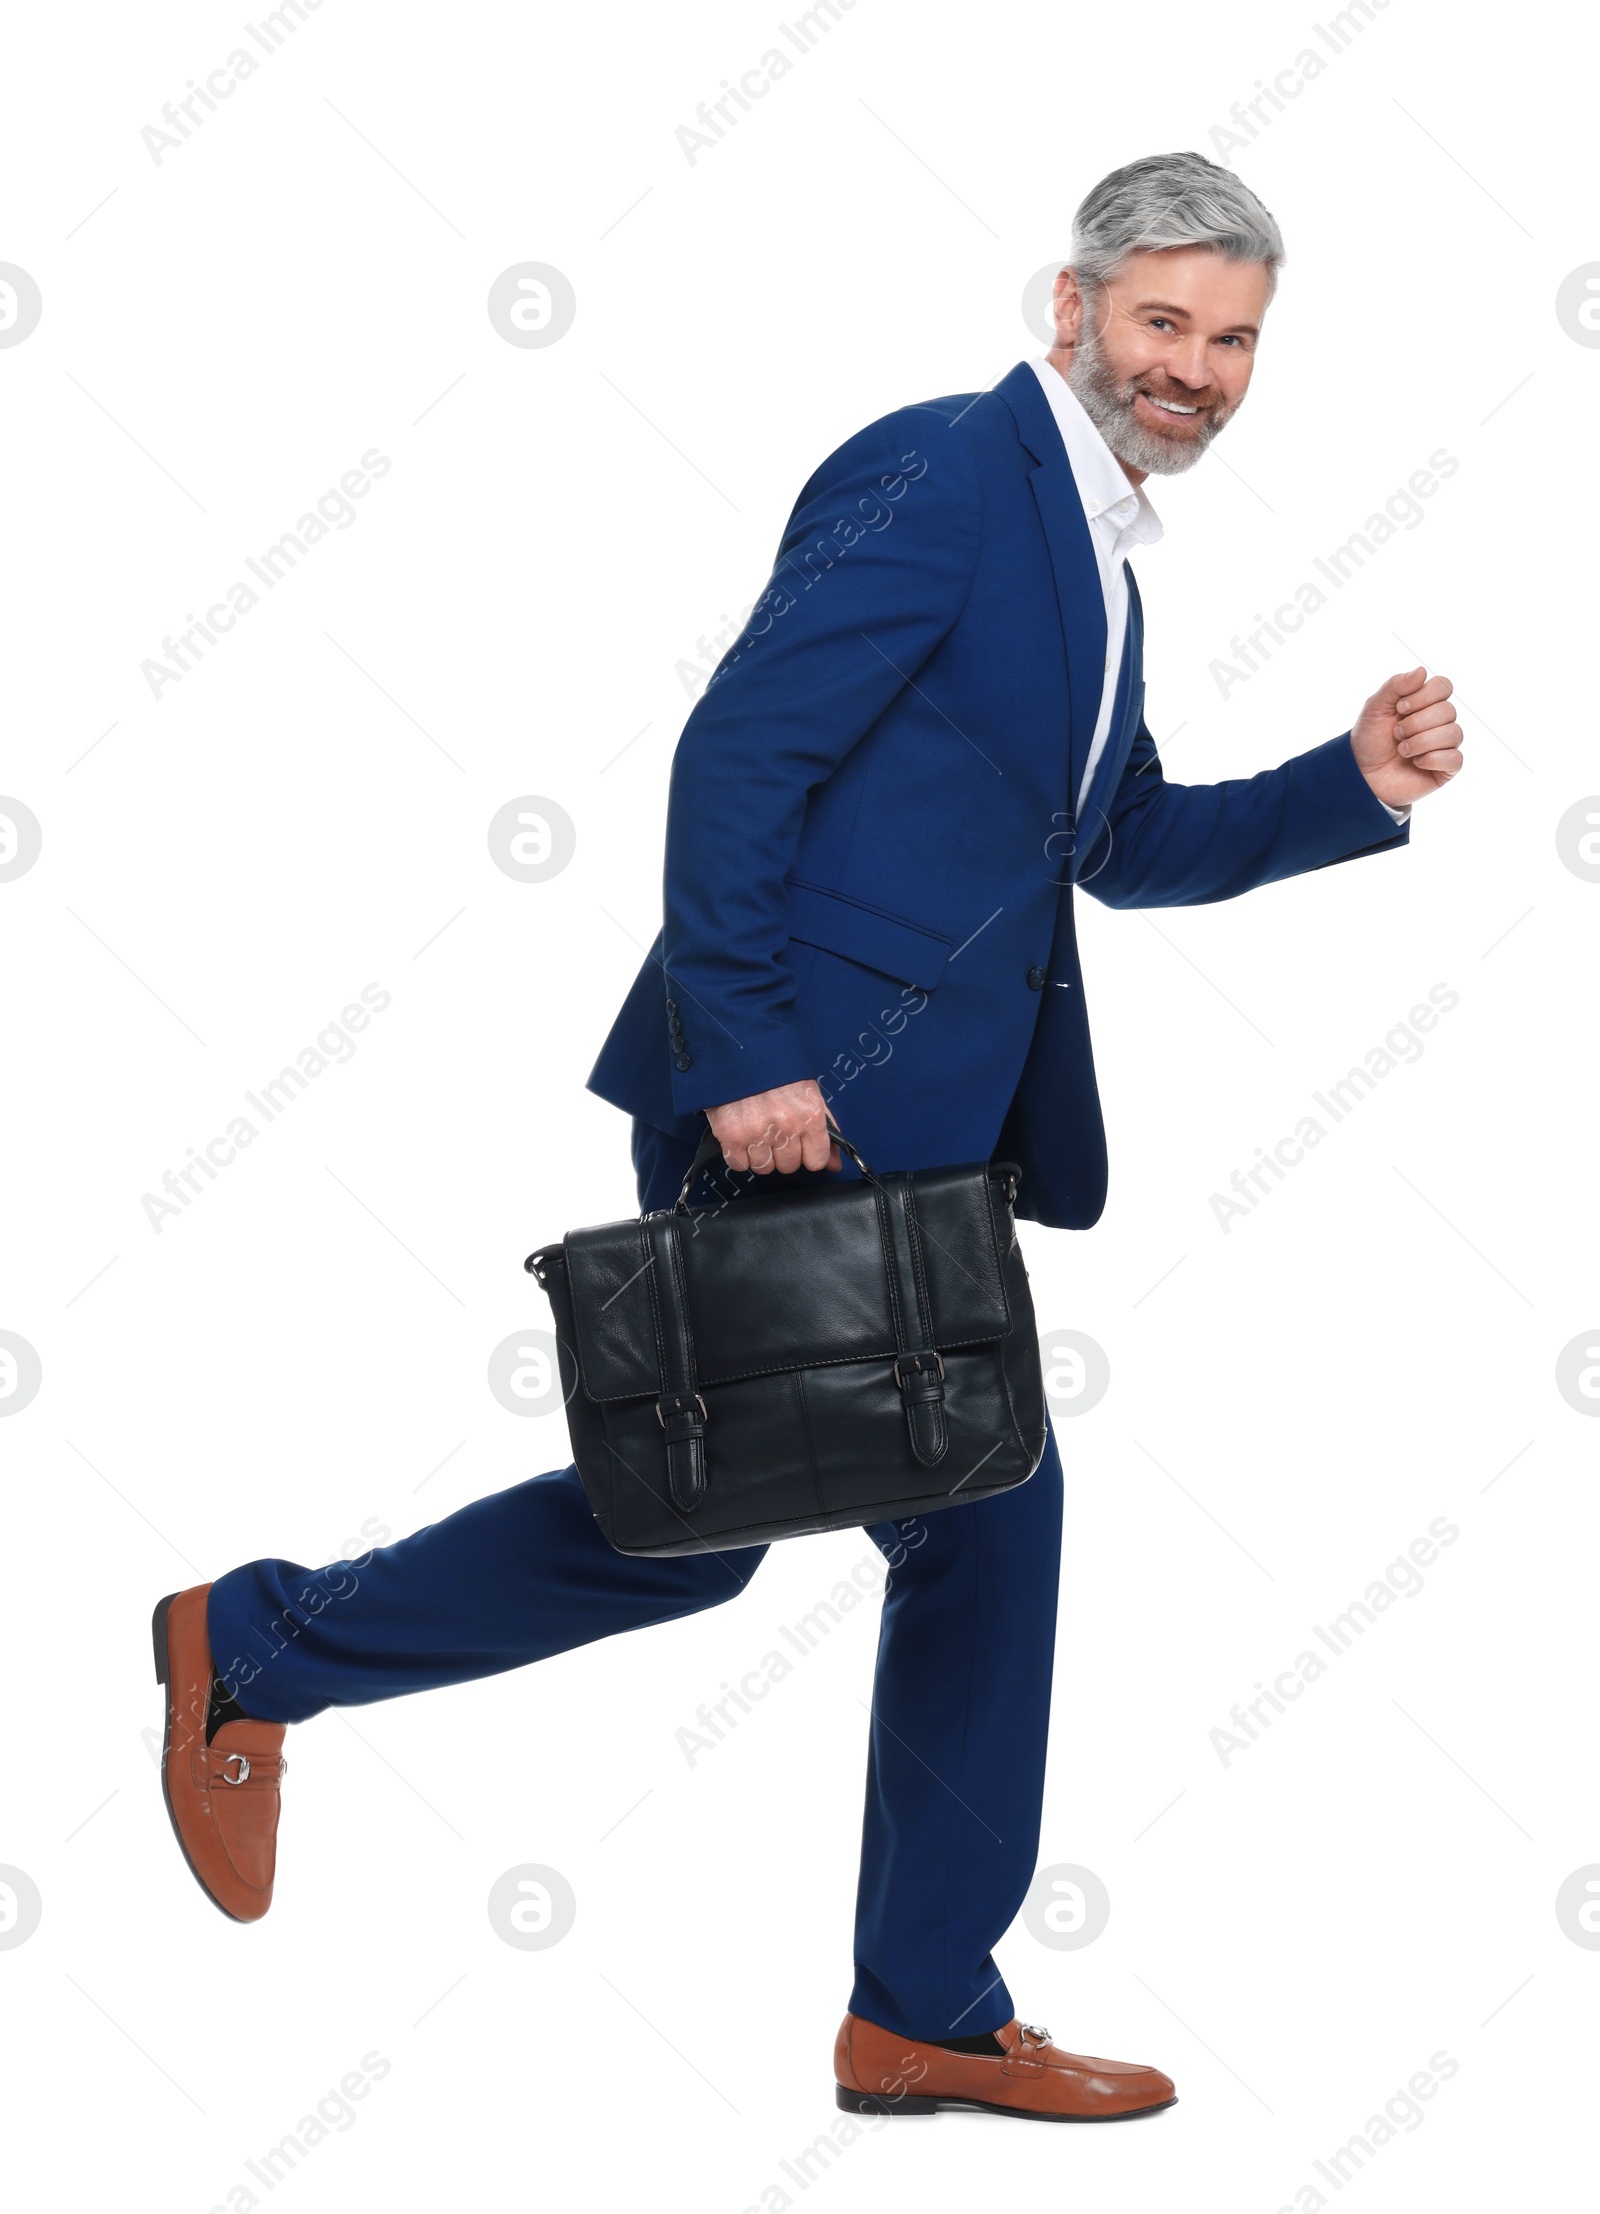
(929, 735)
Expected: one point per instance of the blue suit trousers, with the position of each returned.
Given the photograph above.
(961, 1698)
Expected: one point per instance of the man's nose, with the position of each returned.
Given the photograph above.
(1189, 366)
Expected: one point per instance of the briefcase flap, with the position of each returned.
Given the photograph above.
(793, 1280)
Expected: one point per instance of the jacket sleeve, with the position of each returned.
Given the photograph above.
(1182, 845)
(873, 571)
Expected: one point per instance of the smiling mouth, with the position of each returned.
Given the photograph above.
(1168, 407)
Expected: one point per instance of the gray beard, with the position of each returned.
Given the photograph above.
(1109, 406)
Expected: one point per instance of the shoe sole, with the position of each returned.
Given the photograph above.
(163, 1661)
(867, 2102)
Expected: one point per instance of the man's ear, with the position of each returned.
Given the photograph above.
(1067, 307)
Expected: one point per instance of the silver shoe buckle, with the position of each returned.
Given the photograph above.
(244, 1768)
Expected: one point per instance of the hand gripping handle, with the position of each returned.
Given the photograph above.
(710, 1150)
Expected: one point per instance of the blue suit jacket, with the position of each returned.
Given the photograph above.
(871, 846)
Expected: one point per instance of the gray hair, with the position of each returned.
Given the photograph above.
(1167, 200)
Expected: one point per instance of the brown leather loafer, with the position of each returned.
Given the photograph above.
(222, 1798)
(879, 2073)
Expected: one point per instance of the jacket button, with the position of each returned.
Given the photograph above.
(681, 1061)
(1036, 980)
(672, 1007)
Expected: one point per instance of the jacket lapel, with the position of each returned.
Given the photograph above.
(1136, 640)
(1127, 712)
(1128, 707)
(1077, 578)
(1094, 806)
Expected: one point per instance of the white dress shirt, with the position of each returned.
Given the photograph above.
(1120, 517)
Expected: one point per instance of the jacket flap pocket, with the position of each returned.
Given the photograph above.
(870, 935)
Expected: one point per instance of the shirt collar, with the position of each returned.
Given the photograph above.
(1102, 485)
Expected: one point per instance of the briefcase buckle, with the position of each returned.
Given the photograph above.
(916, 1360)
(681, 1409)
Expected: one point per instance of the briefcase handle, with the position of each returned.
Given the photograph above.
(709, 1149)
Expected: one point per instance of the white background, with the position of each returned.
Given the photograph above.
(1292, 1935)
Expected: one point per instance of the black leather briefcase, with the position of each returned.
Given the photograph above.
(806, 1355)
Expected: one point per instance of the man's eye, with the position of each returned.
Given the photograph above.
(1160, 323)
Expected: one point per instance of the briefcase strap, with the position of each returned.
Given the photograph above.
(680, 1409)
(919, 1365)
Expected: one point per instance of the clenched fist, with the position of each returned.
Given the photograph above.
(1406, 739)
(785, 1129)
